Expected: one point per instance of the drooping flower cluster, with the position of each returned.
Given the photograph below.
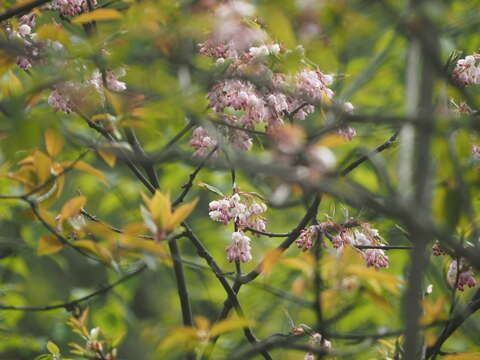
(306, 238)
(33, 48)
(476, 152)
(69, 95)
(245, 210)
(467, 70)
(71, 7)
(202, 142)
(464, 272)
(240, 248)
(317, 340)
(459, 276)
(241, 99)
(351, 233)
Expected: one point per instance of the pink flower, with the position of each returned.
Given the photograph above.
(376, 258)
(111, 77)
(467, 70)
(306, 238)
(220, 211)
(465, 277)
(321, 159)
(347, 132)
(314, 84)
(70, 7)
(59, 101)
(318, 340)
(202, 142)
(244, 210)
(476, 152)
(240, 249)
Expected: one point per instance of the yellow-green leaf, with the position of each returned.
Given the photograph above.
(369, 274)
(108, 157)
(72, 207)
(434, 311)
(83, 166)
(161, 209)
(54, 350)
(97, 15)
(462, 356)
(88, 245)
(182, 336)
(49, 244)
(53, 32)
(42, 165)
(180, 214)
(298, 264)
(279, 26)
(229, 325)
(271, 258)
(143, 245)
(202, 323)
(53, 142)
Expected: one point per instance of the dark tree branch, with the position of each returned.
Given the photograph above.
(364, 158)
(232, 296)
(187, 187)
(20, 10)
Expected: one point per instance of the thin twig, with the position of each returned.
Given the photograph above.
(69, 306)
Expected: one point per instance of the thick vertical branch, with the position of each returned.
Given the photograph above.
(416, 167)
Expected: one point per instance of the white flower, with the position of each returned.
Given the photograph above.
(348, 107)
(274, 49)
(260, 51)
(322, 158)
(24, 29)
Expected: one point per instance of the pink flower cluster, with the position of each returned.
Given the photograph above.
(467, 70)
(351, 233)
(231, 34)
(68, 95)
(246, 212)
(248, 53)
(202, 142)
(460, 276)
(317, 340)
(476, 152)
(307, 237)
(71, 7)
(240, 249)
(25, 33)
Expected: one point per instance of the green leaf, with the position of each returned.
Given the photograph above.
(54, 350)
(212, 188)
(45, 357)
